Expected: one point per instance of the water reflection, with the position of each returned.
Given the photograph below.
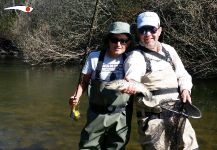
(204, 95)
(34, 109)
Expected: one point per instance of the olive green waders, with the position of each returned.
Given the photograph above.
(108, 119)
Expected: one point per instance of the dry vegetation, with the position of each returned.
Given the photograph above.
(58, 32)
(191, 26)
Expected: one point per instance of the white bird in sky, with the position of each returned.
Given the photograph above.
(22, 8)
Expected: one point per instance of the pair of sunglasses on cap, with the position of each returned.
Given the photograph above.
(145, 29)
(116, 40)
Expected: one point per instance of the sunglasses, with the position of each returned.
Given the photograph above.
(144, 30)
(116, 40)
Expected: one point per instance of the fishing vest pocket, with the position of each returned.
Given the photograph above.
(100, 96)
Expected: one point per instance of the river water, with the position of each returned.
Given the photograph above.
(34, 111)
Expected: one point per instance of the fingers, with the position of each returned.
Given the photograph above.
(186, 97)
(129, 90)
(127, 79)
(73, 101)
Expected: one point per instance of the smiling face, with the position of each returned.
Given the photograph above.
(149, 37)
(118, 43)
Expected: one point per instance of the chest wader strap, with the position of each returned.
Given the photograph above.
(166, 58)
(100, 63)
(148, 62)
(169, 59)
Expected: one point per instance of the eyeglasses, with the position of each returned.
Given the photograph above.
(144, 30)
(116, 40)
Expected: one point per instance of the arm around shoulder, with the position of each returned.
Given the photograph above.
(135, 66)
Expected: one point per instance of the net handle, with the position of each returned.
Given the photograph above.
(180, 112)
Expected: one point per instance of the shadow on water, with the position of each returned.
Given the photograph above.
(34, 109)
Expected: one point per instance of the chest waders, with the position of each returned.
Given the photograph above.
(102, 100)
(108, 118)
(154, 124)
(162, 83)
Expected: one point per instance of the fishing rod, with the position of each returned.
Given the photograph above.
(75, 114)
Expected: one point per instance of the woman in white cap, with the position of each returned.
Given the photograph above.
(159, 67)
(108, 117)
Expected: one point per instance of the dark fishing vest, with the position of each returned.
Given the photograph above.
(102, 100)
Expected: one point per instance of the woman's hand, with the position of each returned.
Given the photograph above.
(73, 101)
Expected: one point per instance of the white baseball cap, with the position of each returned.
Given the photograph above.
(148, 19)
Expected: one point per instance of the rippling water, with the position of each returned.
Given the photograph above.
(34, 109)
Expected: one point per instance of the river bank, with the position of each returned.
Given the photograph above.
(9, 49)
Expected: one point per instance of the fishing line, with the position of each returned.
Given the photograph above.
(85, 55)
